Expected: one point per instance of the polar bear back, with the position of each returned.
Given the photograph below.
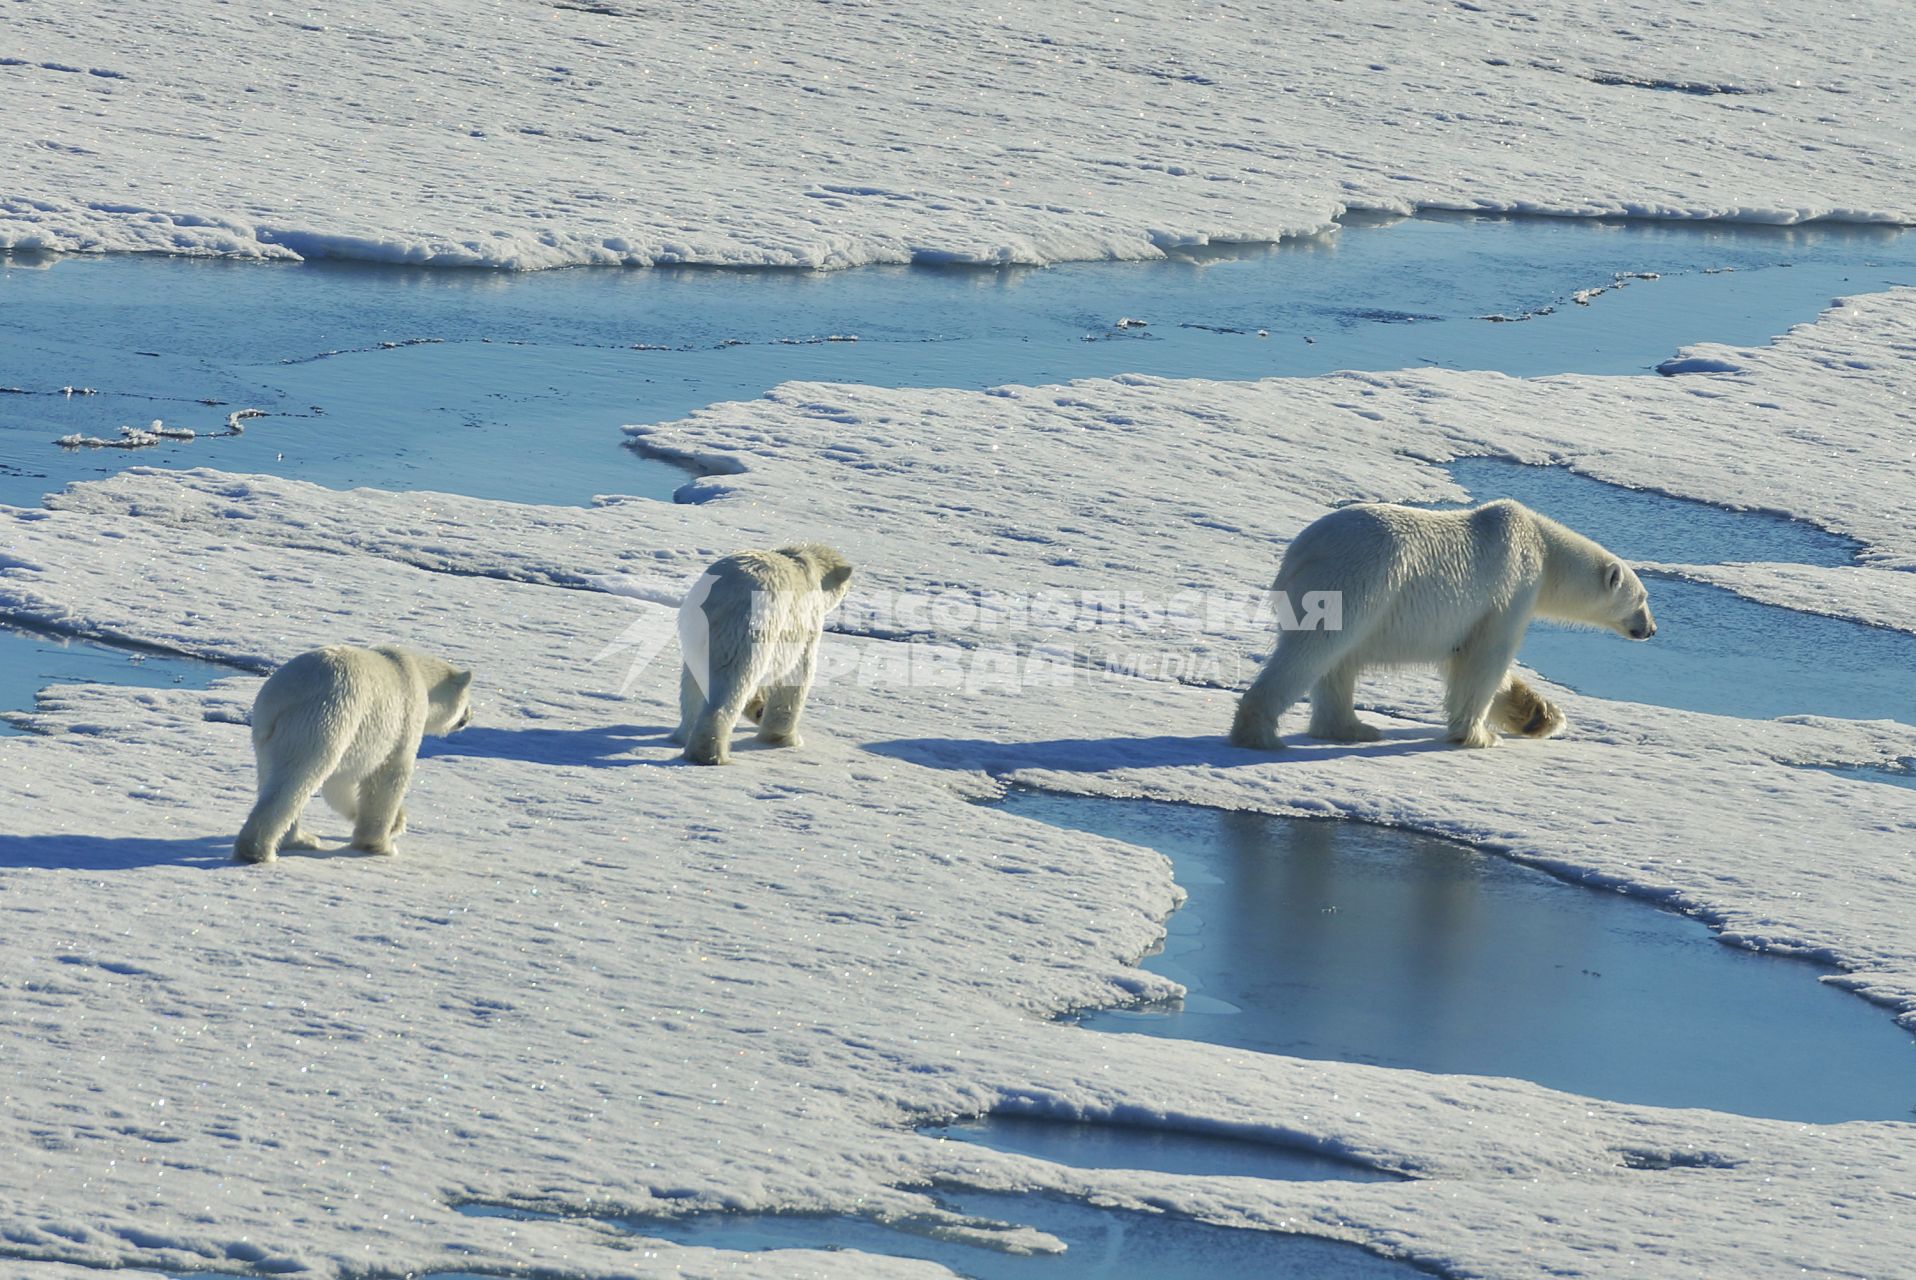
(363, 703)
(770, 602)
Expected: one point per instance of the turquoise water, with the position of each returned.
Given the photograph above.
(1101, 1243)
(1718, 652)
(32, 660)
(515, 386)
(1322, 939)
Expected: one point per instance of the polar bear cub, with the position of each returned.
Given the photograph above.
(345, 722)
(1455, 589)
(749, 632)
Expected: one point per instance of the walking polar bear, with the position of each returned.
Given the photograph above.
(345, 722)
(749, 632)
(1450, 588)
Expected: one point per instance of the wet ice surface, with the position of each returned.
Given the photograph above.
(541, 370)
(1111, 1146)
(1101, 1243)
(1323, 939)
(1714, 650)
(32, 660)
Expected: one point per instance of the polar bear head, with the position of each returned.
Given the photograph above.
(824, 566)
(1626, 604)
(448, 698)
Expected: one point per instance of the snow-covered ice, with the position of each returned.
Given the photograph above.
(594, 979)
(530, 133)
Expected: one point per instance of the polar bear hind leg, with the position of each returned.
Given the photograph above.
(1301, 660)
(691, 702)
(710, 738)
(274, 822)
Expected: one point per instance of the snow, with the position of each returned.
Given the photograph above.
(596, 979)
(524, 134)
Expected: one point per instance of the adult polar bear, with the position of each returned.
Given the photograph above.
(1451, 588)
(749, 632)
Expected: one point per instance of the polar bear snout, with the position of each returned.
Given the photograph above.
(1641, 625)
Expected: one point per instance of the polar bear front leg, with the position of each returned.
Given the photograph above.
(1476, 674)
(1333, 709)
(784, 701)
(380, 796)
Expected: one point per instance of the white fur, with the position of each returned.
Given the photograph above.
(347, 722)
(749, 632)
(1450, 588)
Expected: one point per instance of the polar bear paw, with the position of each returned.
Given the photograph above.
(1477, 735)
(1521, 710)
(1346, 728)
(245, 850)
(705, 749)
(1255, 737)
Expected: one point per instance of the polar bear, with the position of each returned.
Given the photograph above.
(749, 631)
(346, 722)
(1455, 589)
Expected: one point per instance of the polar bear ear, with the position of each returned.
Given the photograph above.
(1613, 575)
(836, 578)
(462, 680)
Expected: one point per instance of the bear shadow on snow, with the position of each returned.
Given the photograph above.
(601, 745)
(63, 852)
(1102, 755)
